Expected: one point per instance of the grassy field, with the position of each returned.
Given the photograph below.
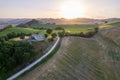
(110, 24)
(78, 28)
(96, 58)
(86, 28)
(18, 39)
(19, 30)
(24, 30)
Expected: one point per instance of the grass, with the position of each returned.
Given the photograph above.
(74, 61)
(104, 25)
(56, 31)
(110, 24)
(51, 54)
(24, 30)
(18, 38)
(114, 23)
(78, 28)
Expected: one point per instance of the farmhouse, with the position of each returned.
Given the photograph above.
(37, 37)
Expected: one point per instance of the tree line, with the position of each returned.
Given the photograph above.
(13, 54)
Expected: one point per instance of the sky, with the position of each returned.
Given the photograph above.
(54, 8)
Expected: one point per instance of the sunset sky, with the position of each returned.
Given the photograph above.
(59, 8)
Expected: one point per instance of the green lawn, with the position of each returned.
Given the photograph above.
(78, 28)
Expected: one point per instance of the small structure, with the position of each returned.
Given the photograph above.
(37, 37)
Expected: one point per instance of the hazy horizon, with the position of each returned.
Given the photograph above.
(97, 9)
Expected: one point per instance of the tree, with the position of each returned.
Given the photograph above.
(96, 29)
(46, 35)
(9, 35)
(54, 35)
(59, 28)
(22, 36)
(2, 39)
(106, 21)
(61, 34)
(49, 31)
(6, 38)
(82, 34)
(12, 54)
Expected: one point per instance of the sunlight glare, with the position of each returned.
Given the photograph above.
(71, 9)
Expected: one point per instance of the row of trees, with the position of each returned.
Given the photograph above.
(54, 35)
(49, 31)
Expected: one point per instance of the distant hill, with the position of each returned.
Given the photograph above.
(44, 22)
(113, 20)
(6, 22)
(37, 24)
(77, 20)
(69, 21)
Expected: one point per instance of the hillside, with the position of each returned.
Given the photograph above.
(78, 20)
(22, 22)
(5, 22)
(37, 24)
(96, 58)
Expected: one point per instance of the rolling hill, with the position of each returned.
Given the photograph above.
(37, 24)
(5, 22)
(96, 58)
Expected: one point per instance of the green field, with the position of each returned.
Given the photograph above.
(24, 30)
(87, 28)
(78, 28)
(110, 24)
(19, 30)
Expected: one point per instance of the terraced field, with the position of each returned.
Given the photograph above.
(96, 58)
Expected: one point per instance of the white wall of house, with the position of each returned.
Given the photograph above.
(38, 37)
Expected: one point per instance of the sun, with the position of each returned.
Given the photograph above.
(71, 10)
